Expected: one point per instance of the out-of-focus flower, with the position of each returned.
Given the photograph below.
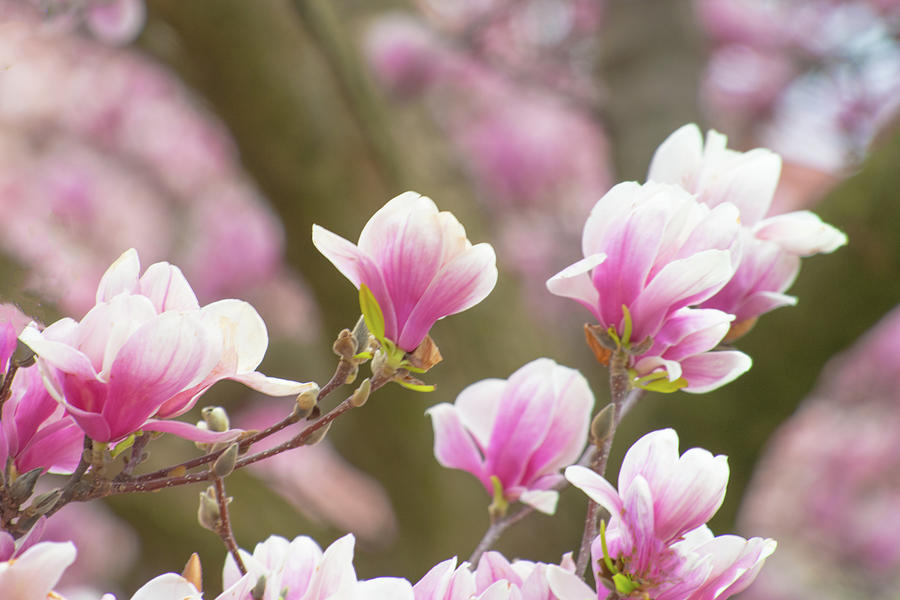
(652, 252)
(657, 543)
(320, 484)
(521, 431)
(32, 574)
(495, 578)
(34, 430)
(772, 244)
(417, 262)
(115, 21)
(147, 349)
(832, 505)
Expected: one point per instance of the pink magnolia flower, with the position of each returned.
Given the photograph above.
(772, 245)
(146, 352)
(495, 578)
(655, 251)
(31, 574)
(521, 431)
(34, 429)
(657, 539)
(295, 570)
(418, 264)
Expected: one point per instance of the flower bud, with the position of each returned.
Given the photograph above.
(224, 465)
(44, 502)
(216, 418)
(603, 425)
(318, 435)
(345, 345)
(306, 402)
(22, 487)
(361, 394)
(208, 514)
(193, 572)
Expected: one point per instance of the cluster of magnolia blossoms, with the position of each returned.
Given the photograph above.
(675, 266)
(146, 352)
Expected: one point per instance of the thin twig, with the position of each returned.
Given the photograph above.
(6, 385)
(224, 525)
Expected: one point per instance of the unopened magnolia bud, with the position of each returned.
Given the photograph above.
(361, 394)
(259, 590)
(345, 345)
(216, 418)
(224, 465)
(603, 424)
(22, 487)
(193, 572)
(44, 502)
(23, 356)
(208, 514)
(307, 401)
(318, 435)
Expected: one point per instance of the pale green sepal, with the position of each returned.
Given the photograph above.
(624, 585)
(416, 387)
(371, 312)
(363, 355)
(606, 559)
(663, 385)
(123, 445)
(499, 505)
(627, 326)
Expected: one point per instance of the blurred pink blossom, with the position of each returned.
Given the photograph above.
(654, 251)
(522, 430)
(147, 351)
(657, 537)
(417, 262)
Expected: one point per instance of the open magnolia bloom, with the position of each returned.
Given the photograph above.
(772, 245)
(147, 350)
(418, 264)
(515, 435)
(657, 544)
(652, 252)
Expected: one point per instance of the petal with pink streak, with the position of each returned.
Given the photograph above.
(802, 233)
(93, 424)
(568, 586)
(164, 356)
(691, 494)
(649, 364)
(166, 286)
(639, 515)
(492, 567)
(748, 180)
(736, 563)
(36, 571)
(609, 213)
(711, 370)
(191, 432)
(476, 407)
(273, 386)
(56, 447)
(718, 229)
(434, 583)
(382, 225)
(597, 488)
(453, 446)
(121, 276)
(58, 354)
(168, 585)
(462, 283)
(653, 456)
(679, 158)
(691, 331)
(680, 283)
(358, 268)
(335, 572)
(575, 282)
(107, 326)
(244, 334)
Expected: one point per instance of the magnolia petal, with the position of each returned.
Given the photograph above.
(243, 331)
(691, 494)
(434, 583)
(191, 432)
(58, 354)
(596, 487)
(652, 456)
(544, 501)
(56, 447)
(492, 567)
(335, 572)
(93, 424)
(575, 282)
(273, 386)
(567, 585)
(711, 370)
(168, 585)
(165, 285)
(121, 276)
(639, 516)
(383, 588)
(383, 225)
(476, 407)
(691, 331)
(461, 283)
(679, 158)
(649, 364)
(36, 571)
(453, 446)
(801, 232)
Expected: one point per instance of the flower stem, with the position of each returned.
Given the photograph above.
(224, 528)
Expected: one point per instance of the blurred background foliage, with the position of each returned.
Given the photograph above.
(326, 144)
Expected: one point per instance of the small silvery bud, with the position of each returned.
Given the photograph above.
(23, 356)
(259, 590)
(361, 334)
(224, 465)
(318, 435)
(361, 394)
(307, 401)
(603, 424)
(216, 418)
(44, 502)
(345, 345)
(22, 487)
(208, 514)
